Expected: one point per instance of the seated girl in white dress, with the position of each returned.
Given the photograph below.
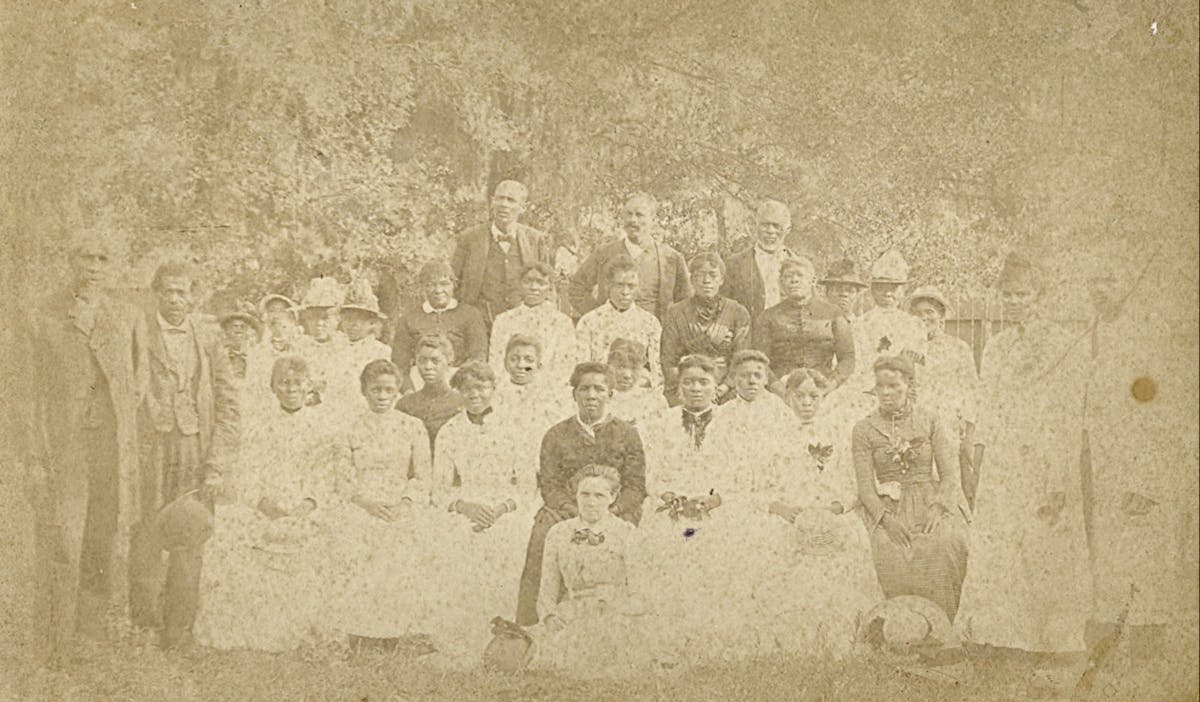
(818, 577)
(633, 399)
(592, 621)
(526, 397)
(268, 576)
(485, 490)
(383, 527)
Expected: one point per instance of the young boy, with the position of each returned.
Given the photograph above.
(523, 395)
(436, 402)
(322, 345)
(540, 318)
(440, 314)
(361, 321)
(620, 318)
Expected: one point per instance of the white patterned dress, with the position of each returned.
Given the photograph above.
(385, 566)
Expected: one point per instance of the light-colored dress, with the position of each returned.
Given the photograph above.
(385, 566)
(547, 324)
(344, 390)
(1141, 443)
(588, 584)
(637, 403)
(598, 329)
(266, 582)
(884, 331)
(489, 464)
(1027, 585)
(948, 385)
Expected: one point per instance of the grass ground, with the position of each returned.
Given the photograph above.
(129, 669)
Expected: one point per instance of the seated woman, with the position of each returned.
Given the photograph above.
(633, 399)
(381, 527)
(267, 575)
(525, 396)
(917, 522)
(485, 489)
(755, 418)
(816, 539)
(591, 622)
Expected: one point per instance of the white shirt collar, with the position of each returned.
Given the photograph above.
(591, 428)
(429, 308)
(164, 325)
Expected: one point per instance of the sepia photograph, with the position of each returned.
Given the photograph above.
(398, 350)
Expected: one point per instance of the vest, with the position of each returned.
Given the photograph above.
(501, 288)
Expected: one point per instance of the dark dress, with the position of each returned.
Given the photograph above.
(811, 335)
(898, 452)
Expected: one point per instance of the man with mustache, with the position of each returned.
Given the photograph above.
(489, 259)
(189, 426)
(753, 275)
(84, 353)
(661, 270)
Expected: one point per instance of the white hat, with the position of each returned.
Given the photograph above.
(360, 296)
(323, 292)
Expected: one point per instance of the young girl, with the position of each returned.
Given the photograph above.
(816, 538)
(633, 399)
(268, 576)
(380, 536)
(485, 486)
(591, 622)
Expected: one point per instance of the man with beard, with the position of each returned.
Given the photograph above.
(84, 350)
(489, 259)
(753, 274)
(662, 273)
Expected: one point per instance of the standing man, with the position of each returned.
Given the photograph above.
(753, 275)
(84, 353)
(592, 436)
(189, 431)
(489, 259)
(662, 272)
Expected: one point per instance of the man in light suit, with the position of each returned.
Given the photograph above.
(82, 349)
(752, 275)
(489, 259)
(662, 273)
(189, 429)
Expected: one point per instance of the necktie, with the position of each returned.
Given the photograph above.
(695, 424)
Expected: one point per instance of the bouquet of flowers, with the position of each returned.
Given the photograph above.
(677, 506)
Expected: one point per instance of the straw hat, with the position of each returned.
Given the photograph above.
(844, 272)
(908, 624)
(890, 268)
(929, 292)
(360, 296)
(268, 299)
(241, 310)
(323, 292)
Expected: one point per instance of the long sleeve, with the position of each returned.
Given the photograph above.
(671, 347)
(583, 283)
(654, 351)
(226, 413)
(864, 474)
(761, 332)
(633, 478)
(475, 334)
(551, 590)
(423, 483)
(550, 480)
(945, 457)
(843, 349)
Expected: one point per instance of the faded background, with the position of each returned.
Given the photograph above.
(275, 140)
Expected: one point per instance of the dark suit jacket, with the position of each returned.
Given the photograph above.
(743, 282)
(470, 257)
(673, 281)
(51, 429)
(218, 418)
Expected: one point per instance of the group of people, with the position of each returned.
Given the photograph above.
(711, 458)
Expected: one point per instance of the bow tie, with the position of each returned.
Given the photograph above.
(695, 424)
(587, 536)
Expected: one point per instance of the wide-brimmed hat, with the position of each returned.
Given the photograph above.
(890, 268)
(360, 296)
(844, 272)
(929, 292)
(242, 310)
(273, 297)
(908, 624)
(323, 291)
